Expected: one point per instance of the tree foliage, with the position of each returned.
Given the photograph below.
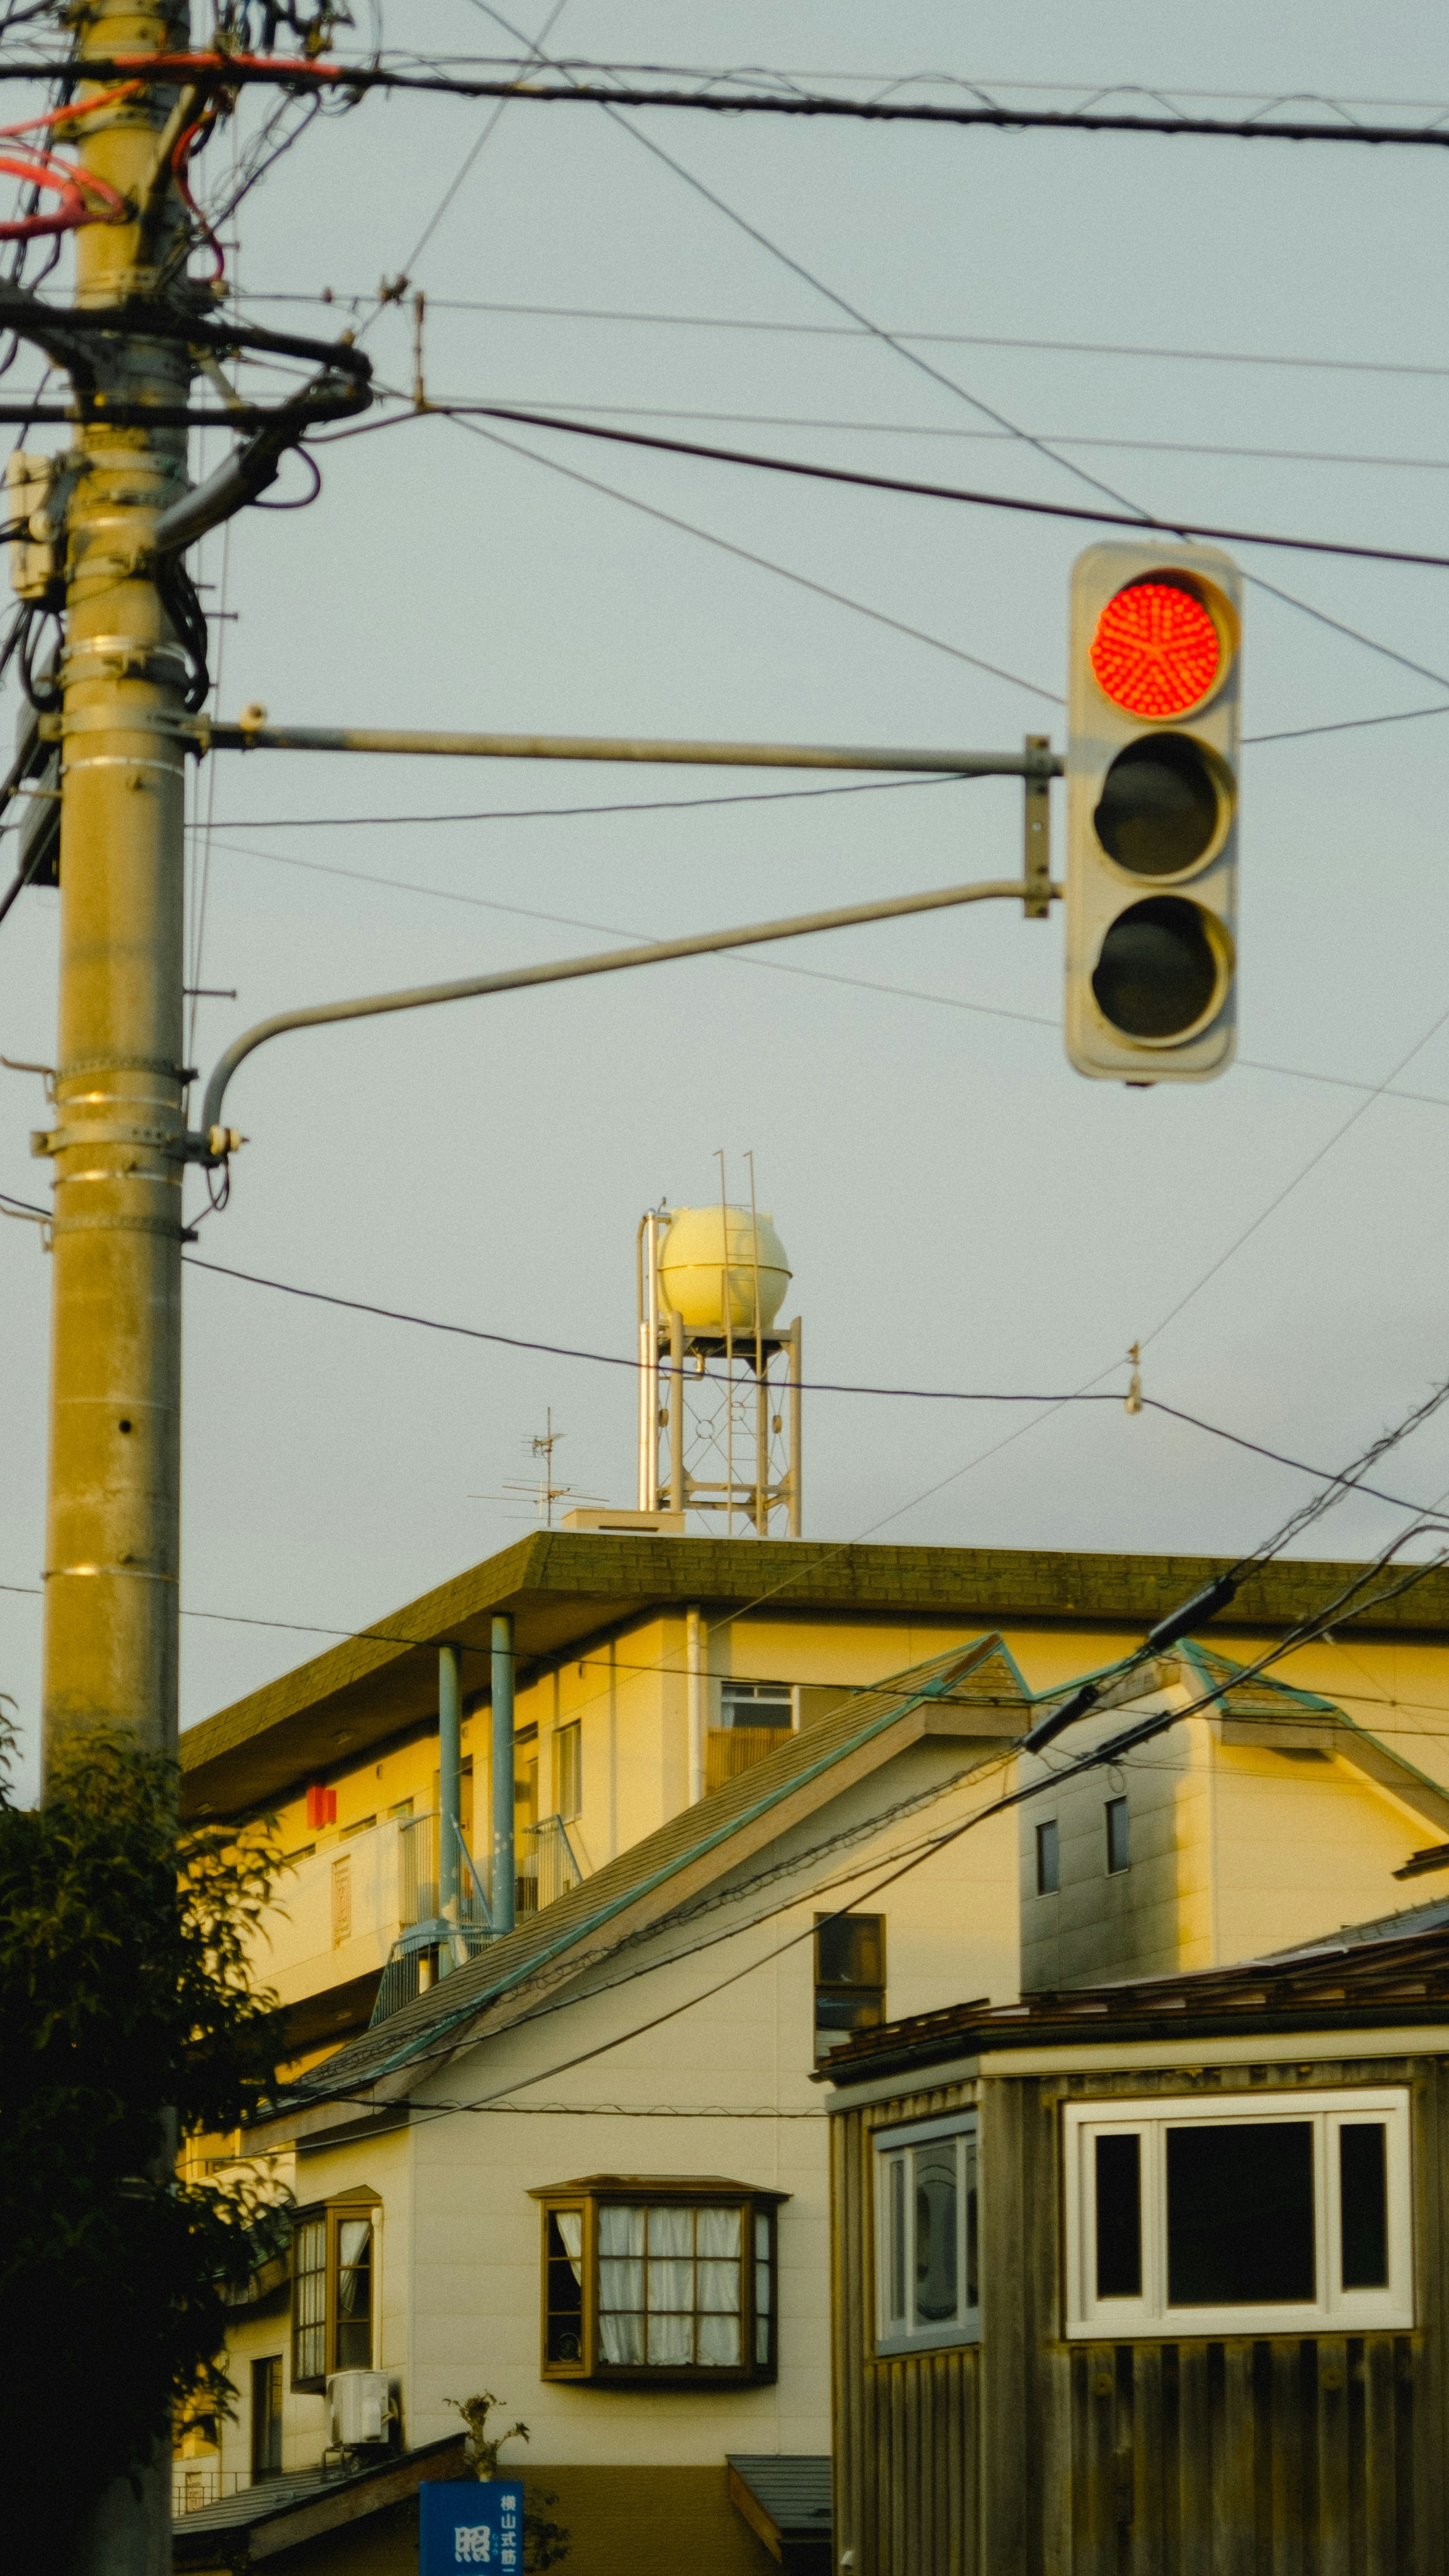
(125, 1985)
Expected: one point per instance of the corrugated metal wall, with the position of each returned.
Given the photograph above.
(1030, 2456)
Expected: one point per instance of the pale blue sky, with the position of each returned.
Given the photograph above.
(960, 1209)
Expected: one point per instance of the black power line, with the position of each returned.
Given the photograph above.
(932, 491)
(236, 71)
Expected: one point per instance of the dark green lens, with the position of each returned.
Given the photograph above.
(1159, 807)
(1158, 972)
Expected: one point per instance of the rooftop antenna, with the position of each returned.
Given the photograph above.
(542, 1491)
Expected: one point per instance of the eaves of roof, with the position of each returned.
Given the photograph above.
(973, 1694)
(280, 2514)
(1390, 1984)
(562, 1587)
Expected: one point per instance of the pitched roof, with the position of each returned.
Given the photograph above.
(972, 1693)
(562, 1586)
(784, 2496)
(282, 2512)
(1354, 1981)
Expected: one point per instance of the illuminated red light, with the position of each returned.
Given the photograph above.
(1156, 651)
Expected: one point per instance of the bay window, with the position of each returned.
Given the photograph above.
(334, 2251)
(658, 2280)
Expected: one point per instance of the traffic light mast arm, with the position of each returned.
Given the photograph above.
(1036, 761)
(564, 970)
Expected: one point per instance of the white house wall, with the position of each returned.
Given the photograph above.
(462, 2236)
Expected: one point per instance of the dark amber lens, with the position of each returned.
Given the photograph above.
(1158, 970)
(1159, 807)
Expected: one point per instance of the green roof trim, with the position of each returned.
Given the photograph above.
(649, 1865)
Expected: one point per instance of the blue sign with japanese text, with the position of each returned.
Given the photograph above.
(477, 2522)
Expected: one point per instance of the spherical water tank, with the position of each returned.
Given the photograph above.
(711, 1254)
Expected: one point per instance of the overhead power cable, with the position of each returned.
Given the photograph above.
(910, 486)
(858, 331)
(952, 384)
(1103, 1757)
(762, 563)
(237, 71)
(535, 403)
(815, 1386)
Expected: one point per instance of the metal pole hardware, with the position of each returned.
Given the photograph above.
(564, 970)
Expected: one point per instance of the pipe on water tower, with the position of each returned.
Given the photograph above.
(450, 1794)
(501, 1887)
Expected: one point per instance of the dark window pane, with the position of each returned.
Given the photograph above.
(850, 1950)
(1240, 2214)
(1364, 2219)
(897, 2290)
(973, 2231)
(1048, 1871)
(266, 2417)
(936, 2232)
(848, 2012)
(1119, 2218)
(1117, 1847)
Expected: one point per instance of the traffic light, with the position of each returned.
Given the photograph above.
(1152, 813)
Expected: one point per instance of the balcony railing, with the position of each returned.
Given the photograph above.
(548, 1865)
(413, 1960)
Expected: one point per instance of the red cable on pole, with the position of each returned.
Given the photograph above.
(63, 179)
(67, 182)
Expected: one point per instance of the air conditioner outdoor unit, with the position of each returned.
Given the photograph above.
(359, 2403)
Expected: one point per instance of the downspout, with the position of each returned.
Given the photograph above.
(501, 1884)
(450, 1795)
(694, 1700)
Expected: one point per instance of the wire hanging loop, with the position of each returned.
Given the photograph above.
(68, 180)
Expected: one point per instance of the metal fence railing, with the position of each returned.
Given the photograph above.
(548, 1865)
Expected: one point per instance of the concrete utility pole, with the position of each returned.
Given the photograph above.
(113, 1520)
(113, 1524)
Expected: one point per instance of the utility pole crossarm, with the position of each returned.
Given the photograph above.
(606, 962)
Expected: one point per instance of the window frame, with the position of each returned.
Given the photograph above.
(871, 1994)
(331, 2216)
(268, 2419)
(1049, 1826)
(756, 2205)
(1115, 1812)
(1334, 2310)
(568, 1756)
(890, 2149)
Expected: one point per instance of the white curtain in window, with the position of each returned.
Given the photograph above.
(621, 2284)
(570, 2225)
(719, 2287)
(671, 2287)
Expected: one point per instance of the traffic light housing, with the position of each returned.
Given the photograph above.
(1152, 813)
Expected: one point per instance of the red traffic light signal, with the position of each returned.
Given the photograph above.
(1152, 813)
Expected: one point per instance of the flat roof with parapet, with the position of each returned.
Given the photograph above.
(562, 1587)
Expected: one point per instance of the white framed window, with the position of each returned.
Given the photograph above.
(1286, 2214)
(927, 2235)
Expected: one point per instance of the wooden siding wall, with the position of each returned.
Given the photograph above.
(1031, 2456)
(906, 2447)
